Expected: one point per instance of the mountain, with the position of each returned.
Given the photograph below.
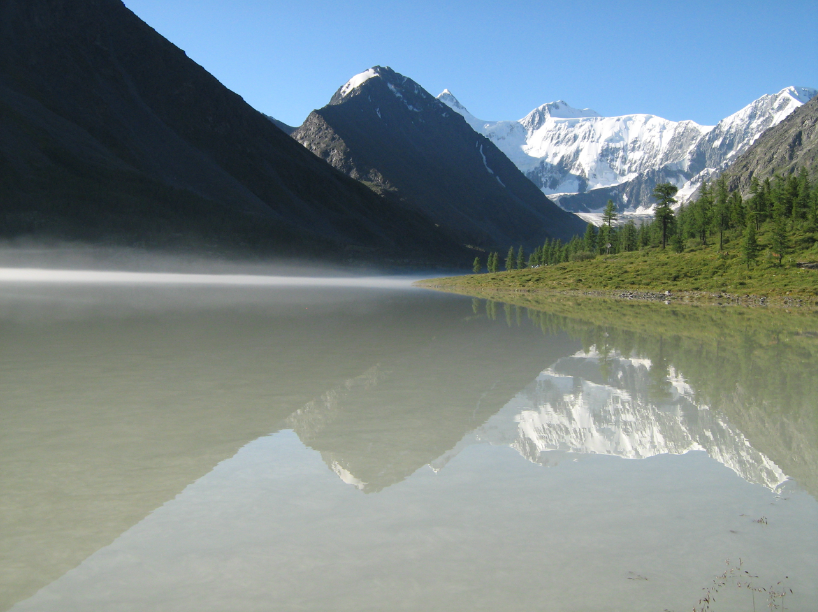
(384, 129)
(784, 149)
(583, 159)
(111, 134)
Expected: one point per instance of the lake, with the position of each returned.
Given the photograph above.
(188, 445)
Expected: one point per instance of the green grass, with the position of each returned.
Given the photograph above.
(699, 269)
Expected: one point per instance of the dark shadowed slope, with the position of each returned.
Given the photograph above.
(384, 129)
(110, 133)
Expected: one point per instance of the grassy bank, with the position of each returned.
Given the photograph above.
(698, 274)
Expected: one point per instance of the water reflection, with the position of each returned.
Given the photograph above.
(568, 409)
(138, 474)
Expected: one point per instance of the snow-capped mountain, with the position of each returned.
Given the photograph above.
(385, 130)
(581, 159)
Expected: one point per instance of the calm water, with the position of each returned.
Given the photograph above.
(238, 448)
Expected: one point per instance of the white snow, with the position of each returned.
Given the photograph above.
(565, 150)
(485, 163)
(358, 80)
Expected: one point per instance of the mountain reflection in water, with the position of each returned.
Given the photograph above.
(140, 477)
(566, 411)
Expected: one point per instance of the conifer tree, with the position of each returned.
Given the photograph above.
(703, 212)
(754, 204)
(520, 258)
(721, 209)
(737, 210)
(510, 261)
(779, 241)
(556, 251)
(664, 193)
(476, 266)
(800, 207)
(492, 263)
(534, 258)
(628, 239)
(604, 239)
(589, 241)
(749, 246)
(609, 215)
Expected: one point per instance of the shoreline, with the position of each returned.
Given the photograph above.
(691, 298)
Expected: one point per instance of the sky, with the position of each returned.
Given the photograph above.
(699, 59)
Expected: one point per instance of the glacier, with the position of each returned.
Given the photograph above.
(581, 159)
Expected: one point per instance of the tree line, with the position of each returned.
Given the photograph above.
(779, 206)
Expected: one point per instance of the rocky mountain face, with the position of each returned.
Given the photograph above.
(385, 130)
(784, 149)
(111, 134)
(581, 159)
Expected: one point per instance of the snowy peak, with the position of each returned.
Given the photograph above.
(478, 125)
(384, 129)
(380, 81)
(358, 80)
(767, 111)
(449, 100)
(556, 110)
(583, 159)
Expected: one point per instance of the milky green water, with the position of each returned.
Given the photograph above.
(328, 448)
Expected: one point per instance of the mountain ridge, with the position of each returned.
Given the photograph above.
(386, 130)
(583, 159)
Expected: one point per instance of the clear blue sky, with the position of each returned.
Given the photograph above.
(699, 60)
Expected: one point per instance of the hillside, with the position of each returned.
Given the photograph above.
(110, 134)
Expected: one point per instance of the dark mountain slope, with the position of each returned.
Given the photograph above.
(783, 149)
(110, 133)
(287, 129)
(384, 129)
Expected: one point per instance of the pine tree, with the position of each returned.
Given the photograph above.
(604, 240)
(703, 212)
(628, 240)
(779, 242)
(750, 245)
(721, 218)
(664, 193)
(476, 266)
(492, 263)
(510, 261)
(589, 241)
(609, 215)
(520, 259)
(800, 207)
(738, 212)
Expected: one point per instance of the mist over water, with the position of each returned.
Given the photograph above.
(191, 443)
(96, 277)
